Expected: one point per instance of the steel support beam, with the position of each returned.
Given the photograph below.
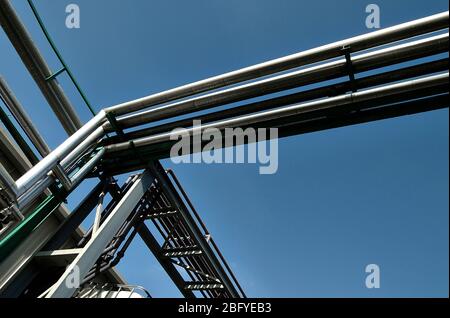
(99, 240)
(75, 218)
(170, 269)
(122, 162)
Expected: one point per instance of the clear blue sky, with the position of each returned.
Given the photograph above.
(342, 199)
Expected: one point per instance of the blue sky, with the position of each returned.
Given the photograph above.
(342, 199)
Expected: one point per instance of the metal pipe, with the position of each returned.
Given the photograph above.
(89, 141)
(78, 177)
(308, 95)
(402, 31)
(17, 136)
(384, 91)
(335, 69)
(358, 43)
(25, 122)
(38, 68)
(22, 118)
(39, 171)
(65, 164)
(28, 197)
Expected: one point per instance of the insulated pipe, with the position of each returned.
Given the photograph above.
(358, 43)
(22, 118)
(78, 177)
(39, 171)
(38, 68)
(89, 141)
(335, 69)
(357, 97)
(399, 32)
(28, 197)
(303, 96)
(65, 164)
(408, 50)
(40, 187)
(30, 130)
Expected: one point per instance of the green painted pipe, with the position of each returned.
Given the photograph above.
(27, 226)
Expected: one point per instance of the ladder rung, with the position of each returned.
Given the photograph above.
(161, 214)
(179, 253)
(202, 286)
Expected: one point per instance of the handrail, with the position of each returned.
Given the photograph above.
(199, 220)
(60, 58)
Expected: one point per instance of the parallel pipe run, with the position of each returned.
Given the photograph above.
(23, 119)
(25, 199)
(30, 130)
(16, 135)
(38, 68)
(39, 171)
(335, 69)
(84, 137)
(290, 99)
(395, 33)
(384, 91)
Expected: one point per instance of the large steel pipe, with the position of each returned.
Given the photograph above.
(40, 187)
(39, 171)
(405, 73)
(421, 26)
(22, 118)
(38, 68)
(360, 63)
(357, 97)
(358, 43)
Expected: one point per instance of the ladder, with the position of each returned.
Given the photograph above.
(165, 219)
